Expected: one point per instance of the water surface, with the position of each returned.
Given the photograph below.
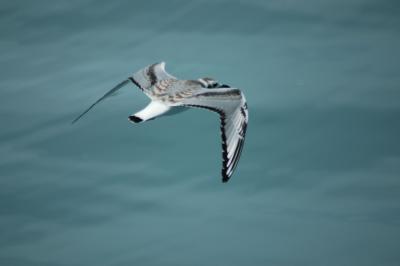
(318, 181)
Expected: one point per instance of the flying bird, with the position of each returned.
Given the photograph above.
(171, 95)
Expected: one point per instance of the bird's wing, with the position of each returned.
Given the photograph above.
(150, 75)
(108, 94)
(144, 79)
(231, 105)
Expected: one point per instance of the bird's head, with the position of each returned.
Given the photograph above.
(208, 82)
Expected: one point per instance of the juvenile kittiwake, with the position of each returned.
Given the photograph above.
(169, 94)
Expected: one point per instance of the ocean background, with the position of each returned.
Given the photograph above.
(319, 178)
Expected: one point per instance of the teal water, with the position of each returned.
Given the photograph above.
(318, 182)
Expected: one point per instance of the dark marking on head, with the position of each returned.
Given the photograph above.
(224, 86)
(208, 83)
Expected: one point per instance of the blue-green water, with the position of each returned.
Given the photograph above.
(319, 178)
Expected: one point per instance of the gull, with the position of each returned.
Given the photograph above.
(170, 95)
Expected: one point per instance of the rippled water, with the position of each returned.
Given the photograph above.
(318, 182)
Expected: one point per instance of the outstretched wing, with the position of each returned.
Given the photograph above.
(144, 79)
(231, 105)
(108, 94)
(150, 75)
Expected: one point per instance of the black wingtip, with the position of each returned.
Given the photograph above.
(75, 120)
(135, 119)
(225, 178)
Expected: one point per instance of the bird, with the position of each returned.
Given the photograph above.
(170, 95)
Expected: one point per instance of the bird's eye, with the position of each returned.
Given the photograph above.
(213, 85)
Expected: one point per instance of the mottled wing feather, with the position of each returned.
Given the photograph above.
(231, 105)
(149, 76)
